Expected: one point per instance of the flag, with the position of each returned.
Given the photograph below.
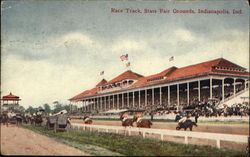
(128, 64)
(171, 59)
(102, 73)
(124, 57)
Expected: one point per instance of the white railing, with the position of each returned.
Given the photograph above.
(186, 134)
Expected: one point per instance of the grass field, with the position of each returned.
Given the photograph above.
(130, 146)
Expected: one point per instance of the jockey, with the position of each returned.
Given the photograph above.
(86, 118)
(184, 119)
(125, 117)
(139, 118)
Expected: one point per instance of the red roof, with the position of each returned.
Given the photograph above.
(11, 97)
(126, 75)
(216, 66)
(102, 82)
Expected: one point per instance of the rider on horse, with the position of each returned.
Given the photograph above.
(184, 119)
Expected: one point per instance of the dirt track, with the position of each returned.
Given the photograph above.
(240, 129)
(19, 141)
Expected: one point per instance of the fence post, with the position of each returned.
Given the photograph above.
(117, 131)
(186, 140)
(143, 134)
(218, 143)
(161, 136)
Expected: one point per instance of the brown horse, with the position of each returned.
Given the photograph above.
(143, 123)
(126, 121)
(87, 120)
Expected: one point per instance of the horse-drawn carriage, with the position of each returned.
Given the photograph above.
(58, 122)
(61, 123)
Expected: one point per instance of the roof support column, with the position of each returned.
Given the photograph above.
(128, 99)
(113, 101)
(234, 86)
(146, 97)
(133, 99)
(223, 90)
(178, 95)
(169, 95)
(245, 84)
(211, 88)
(188, 93)
(153, 97)
(199, 90)
(118, 104)
(109, 103)
(105, 103)
(160, 96)
(122, 100)
(139, 105)
(94, 107)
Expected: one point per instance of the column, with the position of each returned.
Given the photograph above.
(169, 95)
(199, 90)
(139, 105)
(160, 96)
(234, 87)
(188, 93)
(113, 101)
(133, 98)
(109, 102)
(223, 90)
(118, 104)
(122, 100)
(178, 94)
(128, 99)
(146, 97)
(153, 97)
(105, 103)
(211, 88)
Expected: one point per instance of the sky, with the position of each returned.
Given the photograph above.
(54, 50)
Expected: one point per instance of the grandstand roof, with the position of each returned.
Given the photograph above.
(217, 66)
(102, 82)
(126, 75)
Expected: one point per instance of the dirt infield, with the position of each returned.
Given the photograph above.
(239, 129)
(19, 141)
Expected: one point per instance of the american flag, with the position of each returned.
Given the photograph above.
(171, 59)
(128, 64)
(124, 57)
(102, 73)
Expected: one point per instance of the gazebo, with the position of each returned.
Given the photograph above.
(10, 101)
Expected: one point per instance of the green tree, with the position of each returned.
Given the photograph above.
(31, 110)
(47, 108)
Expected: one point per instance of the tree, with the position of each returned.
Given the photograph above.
(31, 110)
(47, 108)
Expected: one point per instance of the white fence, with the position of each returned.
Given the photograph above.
(186, 134)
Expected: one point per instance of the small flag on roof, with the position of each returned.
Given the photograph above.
(128, 64)
(171, 59)
(124, 57)
(102, 73)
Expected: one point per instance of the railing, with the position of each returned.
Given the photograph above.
(186, 134)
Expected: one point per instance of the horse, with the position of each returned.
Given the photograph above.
(126, 121)
(5, 119)
(37, 120)
(143, 123)
(87, 120)
(187, 124)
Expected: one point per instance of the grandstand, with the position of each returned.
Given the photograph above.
(174, 87)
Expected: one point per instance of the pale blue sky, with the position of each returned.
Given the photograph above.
(53, 50)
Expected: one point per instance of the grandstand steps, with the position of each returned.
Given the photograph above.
(242, 96)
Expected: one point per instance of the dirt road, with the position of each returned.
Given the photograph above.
(20, 141)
